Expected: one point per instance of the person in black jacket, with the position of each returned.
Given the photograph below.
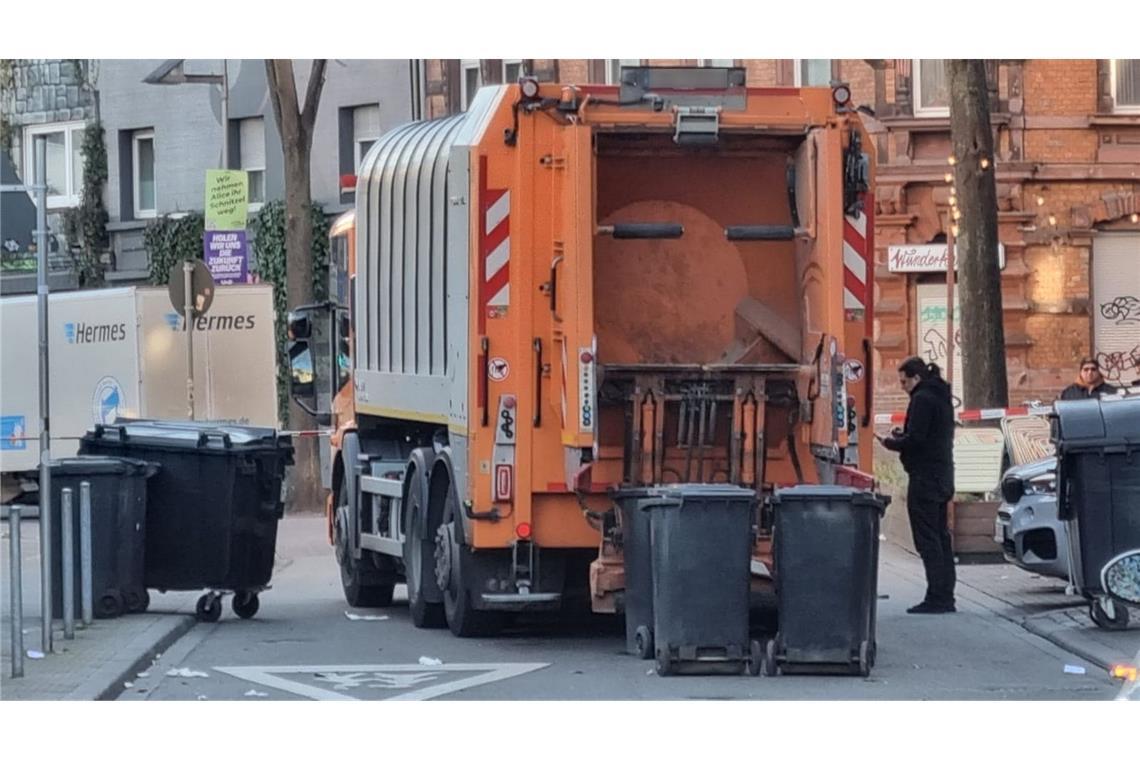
(925, 445)
(1090, 383)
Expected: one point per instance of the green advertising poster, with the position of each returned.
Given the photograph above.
(227, 199)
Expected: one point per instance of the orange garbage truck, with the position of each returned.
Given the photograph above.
(569, 289)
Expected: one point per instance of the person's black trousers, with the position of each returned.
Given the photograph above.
(926, 506)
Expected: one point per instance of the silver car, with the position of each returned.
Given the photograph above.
(1027, 527)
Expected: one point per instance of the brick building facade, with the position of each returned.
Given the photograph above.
(1067, 137)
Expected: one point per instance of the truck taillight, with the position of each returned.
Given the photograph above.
(523, 531)
(504, 482)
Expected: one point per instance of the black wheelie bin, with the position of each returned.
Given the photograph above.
(637, 600)
(826, 556)
(701, 539)
(213, 508)
(1098, 493)
(118, 532)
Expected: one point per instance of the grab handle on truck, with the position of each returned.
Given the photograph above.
(643, 231)
(760, 232)
(866, 382)
(538, 382)
(554, 287)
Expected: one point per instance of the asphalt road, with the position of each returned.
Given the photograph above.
(302, 646)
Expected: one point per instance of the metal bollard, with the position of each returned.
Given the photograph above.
(85, 552)
(67, 560)
(15, 580)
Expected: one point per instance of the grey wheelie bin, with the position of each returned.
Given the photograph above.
(826, 555)
(637, 600)
(1098, 493)
(213, 508)
(118, 532)
(701, 539)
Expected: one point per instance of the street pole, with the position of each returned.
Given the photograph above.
(67, 560)
(188, 311)
(225, 114)
(42, 290)
(85, 591)
(15, 587)
(950, 277)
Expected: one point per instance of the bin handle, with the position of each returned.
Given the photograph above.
(205, 436)
(120, 430)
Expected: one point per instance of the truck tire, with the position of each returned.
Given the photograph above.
(419, 560)
(361, 589)
(453, 573)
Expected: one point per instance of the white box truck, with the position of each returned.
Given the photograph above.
(121, 352)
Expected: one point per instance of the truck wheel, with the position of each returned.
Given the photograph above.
(359, 589)
(453, 576)
(419, 562)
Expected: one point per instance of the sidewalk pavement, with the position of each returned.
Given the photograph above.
(1040, 605)
(101, 659)
(111, 653)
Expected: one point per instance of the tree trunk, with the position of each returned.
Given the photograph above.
(295, 123)
(979, 278)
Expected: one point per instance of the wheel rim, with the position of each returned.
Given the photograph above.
(444, 551)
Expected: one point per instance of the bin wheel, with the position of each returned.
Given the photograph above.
(136, 601)
(209, 608)
(771, 667)
(755, 658)
(664, 663)
(245, 604)
(865, 658)
(109, 605)
(643, 640)
(1117, 621)
(872, 653)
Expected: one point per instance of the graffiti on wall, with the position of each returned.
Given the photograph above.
(1124, 364)
(1122, 310)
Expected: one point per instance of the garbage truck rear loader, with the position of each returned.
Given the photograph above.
(568, 289)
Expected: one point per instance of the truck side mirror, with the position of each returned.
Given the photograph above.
(302, 385)
(300, 328)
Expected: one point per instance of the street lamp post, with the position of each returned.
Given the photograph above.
(172, 72)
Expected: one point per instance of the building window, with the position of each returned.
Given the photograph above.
(1126, 85)
(513, 70)
(614, 67)
(470, 82)
(813, 72)
(251, 142)
(64, 161)
(931, 88)
(365, 131)
(718, 63)
(142, 163)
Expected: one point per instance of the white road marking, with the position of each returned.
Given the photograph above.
(345, 677)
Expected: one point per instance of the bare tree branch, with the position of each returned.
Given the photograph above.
(313, 96)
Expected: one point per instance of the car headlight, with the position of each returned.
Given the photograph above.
(1046, 483)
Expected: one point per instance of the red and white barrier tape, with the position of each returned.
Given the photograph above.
(306, 433)
(975, 415)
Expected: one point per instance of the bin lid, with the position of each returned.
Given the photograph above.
(680, 493)
(95, 464)
(188, 434)
(1098, 423)
(795, 496)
